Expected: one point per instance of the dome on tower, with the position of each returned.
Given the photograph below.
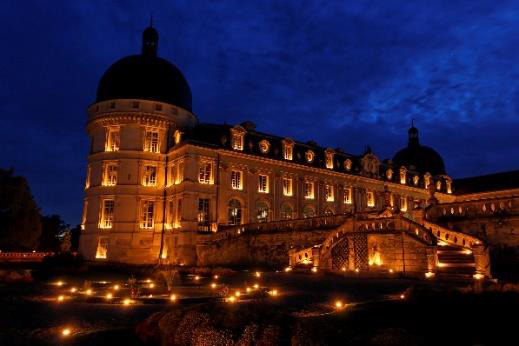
(145, 76)
(424, 159)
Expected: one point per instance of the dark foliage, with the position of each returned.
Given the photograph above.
(20, 225)
(53, 227)
(60, 263)
(505, 262)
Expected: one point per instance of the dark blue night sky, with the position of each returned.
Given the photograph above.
(345, 74)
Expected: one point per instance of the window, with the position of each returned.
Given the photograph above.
(151, 141)
(328, 193)
(177, 136)
(102, 248)
(449, 185)
(427, 180)
(287, 186)
(203, 214)
(288, 149)
(309, 189)
(391, 200)
(308, 211)
(236, 180)
(237, 141)
(262, 211)
(150, 175)
(403, 175)
(389, 174)
(348, 195)
(179, 173)
(347, 164)
(204, 174)
(84, 215)
(87, 181)
(112, 139)
(107, 213)
(403, 204)
(263, 183)
(234, 212)
(329, 158)
(309, 155)
(147, 214)
(110, 174)
(438, 185)
(264, 146)
(416, 179)
(286, 212)
(370, 197)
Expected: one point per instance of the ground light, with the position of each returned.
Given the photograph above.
(258, 274)
(173, 297)
(127, 301)
(116, 287)
(152, 285)
(66, 331)
(314, 269)
(197, 278)
(73, 290)
(429, 275)
(274, 292)
(478, 276)
(89, 292)
(216, 277)
(256, 286)
(109, 296)
(339, 304)
(287, 269)
(61, 298)
(402, 296)
(391, 271)
(231, 299)
(59, 283)
(237, 294)
(213, 285)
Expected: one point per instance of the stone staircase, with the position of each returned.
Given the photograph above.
(455, 262)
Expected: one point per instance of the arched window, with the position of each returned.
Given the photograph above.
(308, 211)
(262, 211)
(286, 212)
(234, 212)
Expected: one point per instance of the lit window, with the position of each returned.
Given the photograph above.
(309, 155)
(150, 175)
(287, 186)
(389, 174)
(391, 200)
(151, 141)
(403, 204)
(178, 136)
(328, 193)
(348, 195)
(329, 158)
(427, 180)
(87, 181)
(107, 213)
(264, 146)
(288, 149)
(179, 172)
(286, 212)
(236, 180)
(448, 182)
(309, 189)
(237, 137)
(262, 211)
(204, 174)
(370, 199)
(147, 214)
(84, 215)
(171, 215)
(110, 174)
(263, 183)
(347, 164)
(234, 212)
(438, 185)
(112, 139)
(403, 175)
(416, 179)
(102, 248)
(203, 214)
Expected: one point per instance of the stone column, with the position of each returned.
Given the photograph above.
(481, 259)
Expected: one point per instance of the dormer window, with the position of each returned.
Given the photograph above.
(403, 175)
(416, 179)
(177, 136)
(288, 149)
(403, 204)
(448, 182)
(112, 139)
(439, 185)
(264, 146)
(329, 158)
(427, 180)
(309, 155)
(237, 137)
(389, 174)
(347, 164)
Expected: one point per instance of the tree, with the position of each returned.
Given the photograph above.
(74, 240)
(53, 229)
(20, 225)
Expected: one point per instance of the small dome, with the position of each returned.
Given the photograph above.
(146, 77)
(424, 159)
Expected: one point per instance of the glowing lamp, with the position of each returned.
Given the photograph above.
(248, 289)
(356, 270)
(173, 297)
(66, 332)
(73, 290)
(109, 296)
(429, 275)
(478, 276)
(59, 283)
(338, 304)
(391, 271)
(287, 269)
(197, 278)
(274, 292)
(213, 285)
(116, 287)
(216, 277)
(61, 298)
(258, 274)
(127, 301)
(402, 296)
(237, 294)
(343, 269)
(89, 292)
(256, 286)
(152, 285)
(314, 269)
(231, 299)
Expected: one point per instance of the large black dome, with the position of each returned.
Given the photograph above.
(146, 77)
(424, 159)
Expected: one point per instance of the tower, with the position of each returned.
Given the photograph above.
(142, 103)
